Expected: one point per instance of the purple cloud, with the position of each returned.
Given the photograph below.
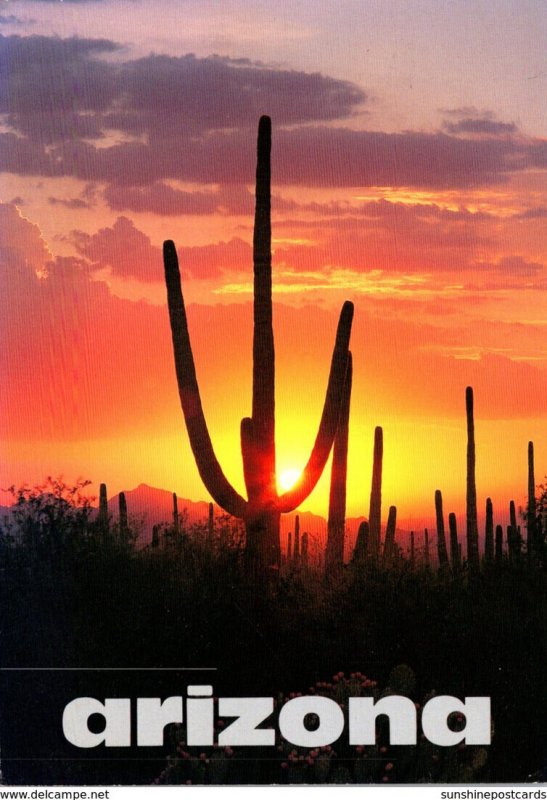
(160, 198)
(153, 125)
(478, 125)
(127, 251)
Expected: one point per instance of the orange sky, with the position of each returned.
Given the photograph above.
(433, 224)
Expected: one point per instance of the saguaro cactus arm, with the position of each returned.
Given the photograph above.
(329, 418)
(263, 411)
(209, 469)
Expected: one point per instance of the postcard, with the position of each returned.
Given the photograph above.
(274, 380)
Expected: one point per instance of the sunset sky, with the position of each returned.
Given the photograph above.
(409, 167)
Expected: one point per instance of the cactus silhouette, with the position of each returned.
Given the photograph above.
(375, 510)
(361, 544)
(289, 547)
(334, 556)
(211, 526)
(531, 510)
(412, 551)
(427, 558)
(455, 550)
(389, 542)
(176, 526)
(441, 539)
(489, 532)
(305, 553)
(296, 544)
(263, 507)
(471, 496)
(122, 505)
(499, 544)
(513, 532)
(103, 507)
(513, 516)
(155, 536)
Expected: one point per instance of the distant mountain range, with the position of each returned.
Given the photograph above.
(148, 506)
(151, 506)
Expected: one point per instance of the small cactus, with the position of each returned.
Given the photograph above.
(499, 544)
(211, 526)
(441, 540)
(155, 536)
(296, 545)
(471, 495)
(122, 504)
(305, 544)
(375, 511)
(389, 544)
(489, 532)
(427, 558)
(361, 544)
(531, 511)
(103, 507)
(455, 550)
(175, 514)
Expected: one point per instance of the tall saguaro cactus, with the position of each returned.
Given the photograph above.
(489, 532)
(103, 507)
(263, 507)
(471, 497)
(334, 556)
(375, 510)
(531, 511)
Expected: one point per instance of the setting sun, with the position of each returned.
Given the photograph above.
(287, 478)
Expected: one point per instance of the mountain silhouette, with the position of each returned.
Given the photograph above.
(149, 506)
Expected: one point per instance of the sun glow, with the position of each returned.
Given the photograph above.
(287, 478)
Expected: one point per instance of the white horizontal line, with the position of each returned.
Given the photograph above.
(106, 669)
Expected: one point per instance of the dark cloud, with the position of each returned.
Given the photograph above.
(533, 213)
(480, 126)
(516, 266)
(43, 74)
(124, 249)
(210, 261)
(160, 198)
(128, 253)
(11, 19)
(331, 157)
(160, 95)
(162, 118)
(313, 156)
(73, 203)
